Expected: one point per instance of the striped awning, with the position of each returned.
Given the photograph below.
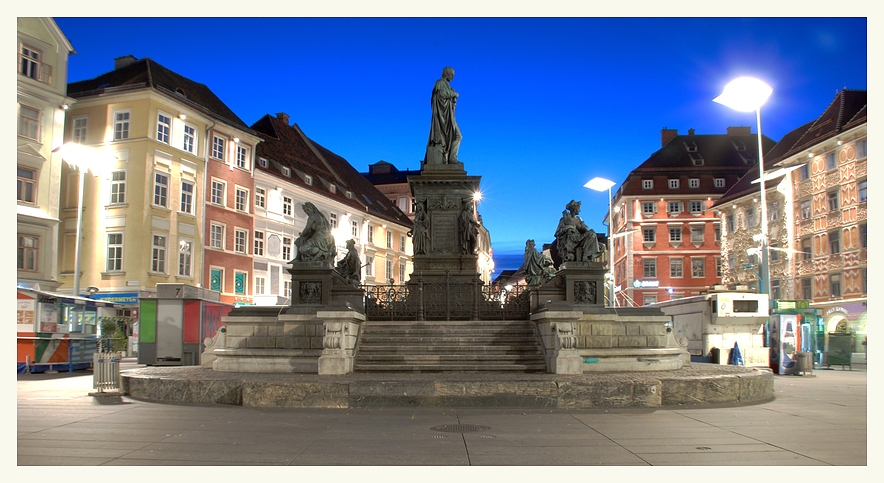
(66, 298)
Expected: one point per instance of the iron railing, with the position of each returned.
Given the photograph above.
(445, 299)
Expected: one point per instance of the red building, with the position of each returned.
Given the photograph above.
(666, 240)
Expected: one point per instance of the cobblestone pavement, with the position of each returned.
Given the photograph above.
(814, 420)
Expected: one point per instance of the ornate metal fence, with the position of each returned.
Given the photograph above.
(444, 299)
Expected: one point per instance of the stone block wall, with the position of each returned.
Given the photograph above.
(284, 332)
(604, 332)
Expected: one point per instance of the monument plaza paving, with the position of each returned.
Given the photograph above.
(818, 419)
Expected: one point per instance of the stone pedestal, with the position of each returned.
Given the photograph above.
(311, 286)
(556, 330)
(341, 329)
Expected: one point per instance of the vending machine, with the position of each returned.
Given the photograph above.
(785, 343)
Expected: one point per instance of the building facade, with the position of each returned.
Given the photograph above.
(41, 94)
(666, 240)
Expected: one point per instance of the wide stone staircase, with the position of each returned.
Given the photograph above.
(449, 346)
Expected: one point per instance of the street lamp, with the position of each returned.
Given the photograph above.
(602, 184)
(83, 159)
(747, 94)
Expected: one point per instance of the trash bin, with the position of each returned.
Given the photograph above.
(716, 355)
(805, 362)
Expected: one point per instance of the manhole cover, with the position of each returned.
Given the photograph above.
(460, 428)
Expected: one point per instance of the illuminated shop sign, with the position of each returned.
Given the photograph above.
(646, 283)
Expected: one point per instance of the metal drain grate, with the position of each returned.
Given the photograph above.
(460, 428)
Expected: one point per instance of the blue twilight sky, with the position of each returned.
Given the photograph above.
(545, 103)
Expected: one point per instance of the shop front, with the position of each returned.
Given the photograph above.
(845, 331)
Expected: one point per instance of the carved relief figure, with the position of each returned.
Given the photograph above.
(420, 231)
(574, 240)
(316, 243)
(445, 137)
(350, 267)
(469, 229)
(538, 267)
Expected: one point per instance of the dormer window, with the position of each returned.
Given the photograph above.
(262, 162)
(308, 180)
(696, 159)
(739, 145)
(332, 188)
(746, 157)
(286, 171)
(690, 146)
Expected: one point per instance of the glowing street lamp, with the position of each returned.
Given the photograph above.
(602, 184)
(82, 158)
(747, 94)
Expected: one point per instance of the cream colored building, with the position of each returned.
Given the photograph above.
(41, 86)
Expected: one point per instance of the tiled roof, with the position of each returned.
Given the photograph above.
(147, 73)
(694, 155)
(847, 110)
(288, 146)
(383, 172)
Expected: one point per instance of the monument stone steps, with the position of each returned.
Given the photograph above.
(449, 346)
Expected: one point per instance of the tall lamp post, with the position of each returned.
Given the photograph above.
(747, 94)
(602, 184)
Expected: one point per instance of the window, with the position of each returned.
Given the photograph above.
(697, 206)
(28, 253)
(26, 185)
(262, 162)
(673, 184)
(861, 150)
(121, 125)
(32, 65)
(185, 260)
(697, 235)
(719, 182)
(804, 172)
(834, 242)
(731, 260)
(242, 199)
(164, 127)
(730, 223)
(389, 272)
(674, 207)
(401, 272)
(370, 234)
(694, 183)
(863, 191)
(835, 285)
(864, 236)
(647, 184)
(308, 180)
(259, 198)
(158, 254)
(286, 206)
(806, 289)
(773, 210)
(389, 239)
(716, 229)
(114, 261)
(218, 189)
(369, 266)
(161, 189)
(216, 279)
(28, 122)
(118, 187)
(239, 283)
(676, 267)
(259, 244)
(242, 157)
(354, 229)
(403, 203)
(649, 234)
(806, 250)
(240, 238)
(675, 234)
(189, 144)
(187, 197)
(287, 172)
(751, 220)
(286, 249)
(698, 267)
(649, 207)
(718, 269)
(218, 145)
(216, 236)
(287, 287)
(833, 200)
(775, 292)
(650, 267)
(649, 299)
(804, 210)
(259, 285)
(333, 220)
(401, 244)
(79, 135)
(830, 161)
(774, 252)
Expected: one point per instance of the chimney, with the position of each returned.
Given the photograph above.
(283, 117)
(691, 132)
(667, 135)
(739, 131)
(123, 61)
